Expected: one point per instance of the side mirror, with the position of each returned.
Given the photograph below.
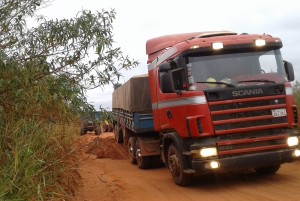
(289, 71)
(167, 83)
(164, 67)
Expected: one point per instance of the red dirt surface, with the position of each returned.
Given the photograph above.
(106, 148)
(109, 176)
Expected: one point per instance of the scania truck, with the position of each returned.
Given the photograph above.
(211, 101)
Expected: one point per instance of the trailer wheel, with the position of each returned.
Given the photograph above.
(131, 149)
(118, 134)
(176, 166)
(267, 170)
(143, 162)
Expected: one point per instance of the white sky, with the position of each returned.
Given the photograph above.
(137, 21)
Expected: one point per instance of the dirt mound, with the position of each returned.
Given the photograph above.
(104, 146)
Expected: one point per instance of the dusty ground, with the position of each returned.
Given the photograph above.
(109, 176)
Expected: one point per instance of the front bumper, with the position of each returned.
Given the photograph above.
(90, 128)
(248, 161)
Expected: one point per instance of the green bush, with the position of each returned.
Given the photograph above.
(36, 155)
(296, 91)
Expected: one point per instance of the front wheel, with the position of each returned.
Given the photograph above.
(176, 166)
(83, 132)
(267, 170)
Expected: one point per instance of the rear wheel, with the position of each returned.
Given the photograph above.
(118, 134)
(143, 162)
(176, 167)
(267, 170)
(131, 149)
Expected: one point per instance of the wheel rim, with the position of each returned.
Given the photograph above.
(138, 156)
(173, 163)
(130, 149)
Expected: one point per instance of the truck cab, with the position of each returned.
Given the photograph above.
(222, 101)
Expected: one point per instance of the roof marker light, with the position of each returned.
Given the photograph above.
(260, 42)
(217, 45)
(194, 47)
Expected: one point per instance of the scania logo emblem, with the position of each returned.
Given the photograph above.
(247, 92)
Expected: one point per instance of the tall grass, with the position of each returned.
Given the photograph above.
(37, 161)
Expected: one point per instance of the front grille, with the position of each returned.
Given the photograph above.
(248, 114)
(249, 124)
(259, 144)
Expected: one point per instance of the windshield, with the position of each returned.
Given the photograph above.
(233, 70)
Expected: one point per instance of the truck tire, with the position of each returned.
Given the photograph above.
(267, 170)
(131, 149)
(176, 167)
(143, 162)
(118, 134)
(119, 137)
(83, 132)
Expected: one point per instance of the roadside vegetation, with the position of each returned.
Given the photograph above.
(44, 75)
(296, 90)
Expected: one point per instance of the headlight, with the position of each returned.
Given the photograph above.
(208, 152)
(292, 141)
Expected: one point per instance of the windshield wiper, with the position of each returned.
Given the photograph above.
(258, 80)
(227, 84)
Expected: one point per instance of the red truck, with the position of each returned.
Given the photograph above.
(211, 101)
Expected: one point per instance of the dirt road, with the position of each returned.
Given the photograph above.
(111, 177)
